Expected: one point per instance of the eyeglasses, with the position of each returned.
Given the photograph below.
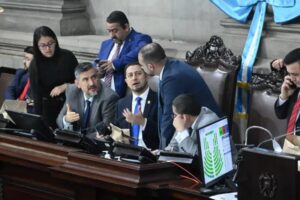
(174, 115)
(50, 45)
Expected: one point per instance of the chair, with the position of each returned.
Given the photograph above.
(6, 76)
(218, 67)
(265, 89)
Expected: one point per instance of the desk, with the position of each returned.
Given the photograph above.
(37, 170)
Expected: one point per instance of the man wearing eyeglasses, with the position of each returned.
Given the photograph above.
(138, 111)
(188, 116)
(118, 51)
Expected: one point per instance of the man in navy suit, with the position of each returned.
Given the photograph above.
(19, 88)
(120, 50)
(146, 116)
(176, 78)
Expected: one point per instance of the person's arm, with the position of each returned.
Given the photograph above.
(11, 92)
(277, 64)
(108, 109)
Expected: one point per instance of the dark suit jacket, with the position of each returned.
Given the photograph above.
(179, 78)
(285, 110)
(129, 54)
(102, 107)
(150, 134)
(17, 85)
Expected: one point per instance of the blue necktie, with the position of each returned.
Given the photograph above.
(136, 127)
(86, 117)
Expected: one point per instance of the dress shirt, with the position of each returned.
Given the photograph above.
(143, 103)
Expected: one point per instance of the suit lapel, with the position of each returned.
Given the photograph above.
(148, 103)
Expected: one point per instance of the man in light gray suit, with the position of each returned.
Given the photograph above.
(188, 116)
(89, 106)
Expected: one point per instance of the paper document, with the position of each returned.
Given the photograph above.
(120, 135)
(225, 196)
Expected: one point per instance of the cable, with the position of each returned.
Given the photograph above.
(258, 127)
(194, 178)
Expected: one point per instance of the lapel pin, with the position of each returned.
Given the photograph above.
(148, 102)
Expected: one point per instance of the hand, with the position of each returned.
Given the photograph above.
(277, 64)
(286, 89)
(58, 90)
(107, 66)
(179, 123)
(71, 116)
(134, 118)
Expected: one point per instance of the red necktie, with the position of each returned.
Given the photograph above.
(24, 92)
(108, 75)
(293, 117)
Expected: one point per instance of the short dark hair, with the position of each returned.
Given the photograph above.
(28, 49)
(152, 53)
(292, 57)
(82, 67)
(130, 64)
(187, 104)
(117, 17)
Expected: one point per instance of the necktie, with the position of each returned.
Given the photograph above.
(136, 127)
(86, 116)
(24, 92)
(190, 130)
(293, 117)
(108, 75)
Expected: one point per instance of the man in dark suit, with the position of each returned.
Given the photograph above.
(176, 78)
(120, 50)
(288, 102)
(146, 116)
(19, 88)
(89, 106)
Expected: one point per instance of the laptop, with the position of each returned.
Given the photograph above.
(215, 152)
(34, 124)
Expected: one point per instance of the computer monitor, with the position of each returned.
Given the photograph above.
(33, 124)
(215, 151)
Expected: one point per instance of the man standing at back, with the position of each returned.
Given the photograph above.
(120, 50)
(176, 78)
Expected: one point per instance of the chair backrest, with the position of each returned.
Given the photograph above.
(265, 89)
(218, 67)
(6, 76)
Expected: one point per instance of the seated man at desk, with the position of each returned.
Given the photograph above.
(188, 116)
(19, 88)
(138, 111)
(89, 106)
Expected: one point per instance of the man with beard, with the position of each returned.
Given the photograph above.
(89, 105)
(121, 49)
(138, 111)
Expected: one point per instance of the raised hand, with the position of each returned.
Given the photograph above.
(71, 116)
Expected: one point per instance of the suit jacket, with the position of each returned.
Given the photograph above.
(102, 107)
(285, 110)
(129, 54)
(179, 78)
(189, 144)
(17, 85)
(150, 133)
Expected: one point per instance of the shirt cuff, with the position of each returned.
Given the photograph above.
(281, 101)
(181, 135)
(67, 125)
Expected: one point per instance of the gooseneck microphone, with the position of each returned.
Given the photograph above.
(275, 144)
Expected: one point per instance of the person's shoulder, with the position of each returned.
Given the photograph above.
(66, 52)
(140, 35)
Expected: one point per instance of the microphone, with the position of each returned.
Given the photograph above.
(275, 144)
(278, 137)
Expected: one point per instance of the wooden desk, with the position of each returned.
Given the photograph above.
(38, 170)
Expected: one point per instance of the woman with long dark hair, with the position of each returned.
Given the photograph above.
(50, 72)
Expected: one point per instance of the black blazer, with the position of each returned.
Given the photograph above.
(150, 134)
(285, 110)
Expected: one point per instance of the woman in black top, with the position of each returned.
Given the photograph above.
(50, 72)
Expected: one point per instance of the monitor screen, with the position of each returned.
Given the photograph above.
(214, 151)
(31, 122)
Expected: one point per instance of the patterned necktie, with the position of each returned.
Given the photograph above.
(86, 116)
(293, 117)
(136, 127)
(24, 92)
(108, 75)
